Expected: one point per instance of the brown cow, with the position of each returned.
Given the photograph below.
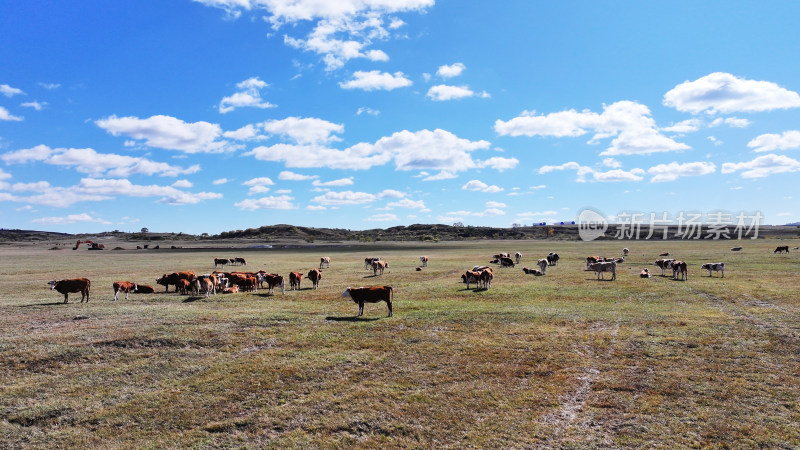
(368, 262)
(144, 289)
(379, 266)
(81, 285)
(167, 280)
(314, 275)
(182, 286)
(372, 294)
(294, 280)
(272, 280)
(124, 286)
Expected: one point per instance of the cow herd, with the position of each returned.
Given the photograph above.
(481, 276)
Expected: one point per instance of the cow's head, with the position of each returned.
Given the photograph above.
(52, 284)
(346, 292)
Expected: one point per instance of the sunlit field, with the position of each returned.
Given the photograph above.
(562, 360)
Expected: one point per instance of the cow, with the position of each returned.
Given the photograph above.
(481, 268)
(606, 266)
(372, 294)
(247, 284)
(273, 280)
(424, 261)
(220, 262)
(680, 267)
(552, 259)
(714, 267)
(781, 249)
(144, 289)
(124, 286)
(325, 261)
(240, 261)
(501, 255)
(625, 251)
(471, 275)
(182, 286)
(65, 287)
(294, 280)
(368, 262)
(486, 278)
(619, 260)
(736, 249)
(644, 273)
(314, 275)
(664, 254)
(505, 261)
(207, 284)
(594, 259)
(535, 272)
(542, 263)
(664, 265)
(231, 290)
(518, 257)
(378, 266)
(167, 280)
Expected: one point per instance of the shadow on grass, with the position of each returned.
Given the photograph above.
(193, 299)
(352, 319)
(43, 304)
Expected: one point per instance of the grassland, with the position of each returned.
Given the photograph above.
(560, 361)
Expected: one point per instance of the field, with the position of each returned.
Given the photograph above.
(561, 361)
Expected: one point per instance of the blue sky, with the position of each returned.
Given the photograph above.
(216, 115)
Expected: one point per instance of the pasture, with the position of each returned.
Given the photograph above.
(561, 360)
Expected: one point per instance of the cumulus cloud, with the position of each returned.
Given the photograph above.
(478, 185)
(272, 202)
(38, 106)
(344, 198)
(450, 71)
(369, 111)
(182, 184)
(248, 96)
(219, 181)
(614, 175)
(7, 116)
(169, 133)
(382, 218)
(763, 166)
(340, 182)
(499, 164)
(291, 176)
(788, 140)
(72, 218)
(9, 91)
(721, 92)
(87, 160)
(443, 92)
(304, 130)
(258, 185)
(629, 123)
(674, 170)
(375, 80)
(407, 203)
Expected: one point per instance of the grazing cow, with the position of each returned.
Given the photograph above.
(424, 261)
(314, 275)
(594, 259)
(680, 267)
(379, 266)
(207, 284)
(505, 261)
(273, 280)
(65, 287)
(368, 262)
(664, 265)
(240, 261)
(714, 267)
(144, 289)
(481, 268)
(644, 273)
(664, 254)
(535, 272)
(247, 284)
(294, 280)
(736, 249)
(486, 278)
(542, 263)
(372, 294)
(182, 286)
(518, 257)
(625, 251)
(325, 261)
(124, 286)
(501, 255)
(552, 259)
(782, 249)
(220, 262)
(606, 266)
(470, 276)
(167, 280)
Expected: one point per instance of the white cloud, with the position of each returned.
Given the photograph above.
(495, 205)
(613, 175)
(382, 218)
(629, 123)
(182, 184)
(72, 218)
(304, 130)
(450, 71)
(376, 80)
(391, 193)
(685, 126)
(674, 170)
(340, 182)
(50, 86)
(38, 106)
(291, 176)
(220, 181)
(730, 121)
(272, 202)
(344, 198)
(260, 181)
(245, 133)
(612, 163)
(316, 208)
(9, 91)
(87, 160)
(443, 175)
(407, 203)
(477, 185)
(443, 92)
(530, 214)
(770, 142)
(249, 95)
(370, 111)
(169, 133)
(500, 164)
(763, 166)
(784, 214)
(721, 92)
(258, 189)
(5, 115)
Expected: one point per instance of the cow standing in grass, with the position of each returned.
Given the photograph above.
(66, 287)
(373, 294)
(124, 286)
